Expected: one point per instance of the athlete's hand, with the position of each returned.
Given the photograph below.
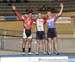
(14, 8)
(61, 4)
(61, 10)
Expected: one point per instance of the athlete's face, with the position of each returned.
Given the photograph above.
(39, 15)
(49, 14)
(30, 15)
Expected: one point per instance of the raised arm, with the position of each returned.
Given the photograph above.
(61, 10)
(17, 12)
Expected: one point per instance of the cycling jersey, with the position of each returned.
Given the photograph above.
(51, 22)
(27, 25)
(27, 21)
(40, 24)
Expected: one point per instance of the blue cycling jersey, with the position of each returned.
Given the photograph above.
(51, 22)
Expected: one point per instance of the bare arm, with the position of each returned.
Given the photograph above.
(17, 12)
(61, 10)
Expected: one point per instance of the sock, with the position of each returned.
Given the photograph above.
(29, 50)
(23, 49)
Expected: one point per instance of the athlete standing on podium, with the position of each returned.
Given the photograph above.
(51, 33)
(40, 33)
(27, 34)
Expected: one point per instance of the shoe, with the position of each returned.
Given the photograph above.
(29, 53)
(44, 52)
(49, 53)
(37, 53)
(23, 53)
(57, 53)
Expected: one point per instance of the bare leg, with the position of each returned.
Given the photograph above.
(24, 44)
(55, 45)
(44, 46)
(49, 44)
(29, 44)
(37, 46)
(52, 45)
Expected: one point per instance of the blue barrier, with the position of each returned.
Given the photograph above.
(7, 18)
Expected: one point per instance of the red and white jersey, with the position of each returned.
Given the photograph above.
(27, 21)
(40, 24)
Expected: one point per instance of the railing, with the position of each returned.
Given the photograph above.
(13, 42)
(10, 33)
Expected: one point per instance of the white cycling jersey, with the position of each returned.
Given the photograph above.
(40, 24)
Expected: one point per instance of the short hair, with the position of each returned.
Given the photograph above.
(29, 11)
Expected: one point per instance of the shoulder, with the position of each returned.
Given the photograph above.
(56, 16)
(24, 17)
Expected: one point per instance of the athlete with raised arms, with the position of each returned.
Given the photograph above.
(51, 33)
(27, 34)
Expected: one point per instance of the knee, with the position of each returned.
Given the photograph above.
(44, 42)
(29, 40)
(24, 40)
